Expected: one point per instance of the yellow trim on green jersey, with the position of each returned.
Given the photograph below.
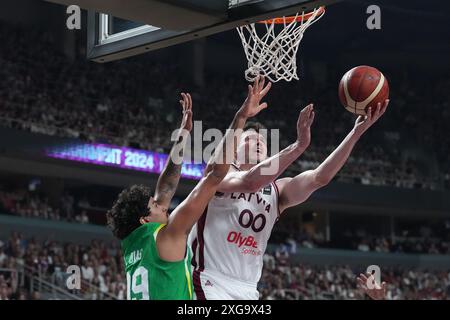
(155, 234)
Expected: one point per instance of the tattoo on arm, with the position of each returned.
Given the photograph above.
(170, 176)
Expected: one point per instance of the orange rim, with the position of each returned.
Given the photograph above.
(300, 18)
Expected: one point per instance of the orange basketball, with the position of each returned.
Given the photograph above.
(363, 87)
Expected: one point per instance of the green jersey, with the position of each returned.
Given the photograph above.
(148, 276)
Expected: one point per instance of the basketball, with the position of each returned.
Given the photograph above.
(361, 88)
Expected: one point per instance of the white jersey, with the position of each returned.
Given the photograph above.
(231, 237)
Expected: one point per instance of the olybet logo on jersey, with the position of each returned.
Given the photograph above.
(244, 242)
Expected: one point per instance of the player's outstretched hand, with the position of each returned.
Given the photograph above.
(252, 105)
(378, 292)
(186, 104)
(363, 123)
(304, 122)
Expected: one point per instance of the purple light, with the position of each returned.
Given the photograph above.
(121, 157)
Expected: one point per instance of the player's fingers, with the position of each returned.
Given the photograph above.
(301, 117)
(250, 90)
(363, 277)
(261, 84)
(189, 114)
(311, 118)
(385, 105)
(190, 101)
(306, 110)
(186, 101)
(263, 105)
(360, 119)
(183, 96)
(256, 85)
(369, 114)
(378, 110)
(266, 89)
(182, 104)
(362, 285)
(311, 109)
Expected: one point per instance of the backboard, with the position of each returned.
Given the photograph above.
(119, 29)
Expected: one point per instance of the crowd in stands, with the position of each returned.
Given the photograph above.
(282, 278)
(371, 243)
(24, 203)
(426, 241)
(101, 267)
(134, 103)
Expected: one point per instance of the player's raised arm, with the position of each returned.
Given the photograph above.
(170, 176)
(251, 107)
(296, 190)
(259, 176)
(172, 239)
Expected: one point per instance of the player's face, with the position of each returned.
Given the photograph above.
(252, 148)
(156, 213)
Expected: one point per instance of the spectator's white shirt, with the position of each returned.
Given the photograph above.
(121, 293)
(87, 273)
(2, 258)
(363, 247)
(84, 219)
(103, 286)
(293, 245)
(101, 269)
(307, 244)
(329, 276)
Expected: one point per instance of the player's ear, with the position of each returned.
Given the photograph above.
(150, 202)
(144, 220)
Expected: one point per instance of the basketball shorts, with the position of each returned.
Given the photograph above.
(209, 285)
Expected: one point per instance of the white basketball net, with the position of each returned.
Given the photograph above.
(274, 54)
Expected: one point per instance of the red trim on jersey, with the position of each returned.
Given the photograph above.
(201, 241)
(198, 286)
(194, 251)
(278, 198)
(201, 257)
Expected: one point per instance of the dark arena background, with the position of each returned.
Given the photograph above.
(75, 131)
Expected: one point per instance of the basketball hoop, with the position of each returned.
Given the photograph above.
(274, 53)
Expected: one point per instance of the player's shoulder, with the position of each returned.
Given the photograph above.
(144, 231)
(280, 183)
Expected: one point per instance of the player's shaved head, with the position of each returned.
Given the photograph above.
(130, 206)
